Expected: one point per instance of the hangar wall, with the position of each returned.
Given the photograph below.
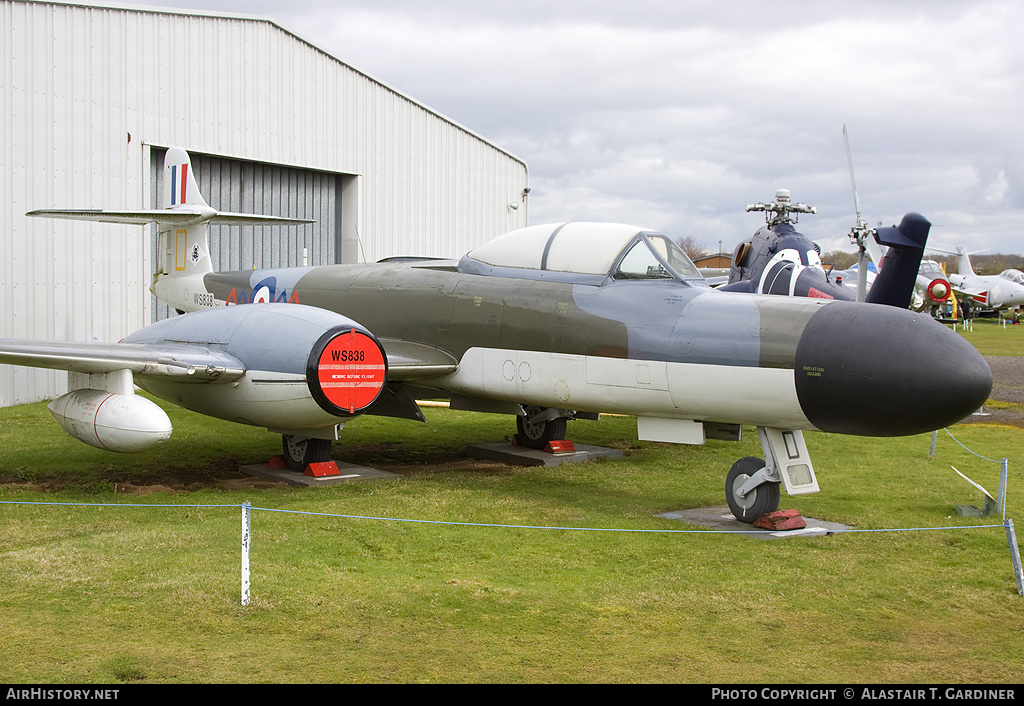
(89, 96)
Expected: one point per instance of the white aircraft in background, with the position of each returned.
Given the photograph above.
(1002, 291)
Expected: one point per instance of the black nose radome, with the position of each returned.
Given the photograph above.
(881, 371)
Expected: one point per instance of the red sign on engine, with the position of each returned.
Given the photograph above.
(351, 371)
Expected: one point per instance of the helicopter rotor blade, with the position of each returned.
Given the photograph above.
(853, 181)
(860, 232)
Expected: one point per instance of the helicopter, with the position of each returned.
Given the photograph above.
(780, 260)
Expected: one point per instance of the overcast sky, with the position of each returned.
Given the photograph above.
(674, 115)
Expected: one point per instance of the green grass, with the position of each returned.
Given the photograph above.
(145, 595)
(991, 338)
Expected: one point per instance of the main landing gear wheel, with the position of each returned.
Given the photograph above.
(299, 452)
(759, 501)
(536, 435)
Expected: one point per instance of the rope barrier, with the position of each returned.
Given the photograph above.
(247, 510)
(494, 525)
(969, 449)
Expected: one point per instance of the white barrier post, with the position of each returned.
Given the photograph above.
(1011, 539)
(1001, 495)
(246, 526)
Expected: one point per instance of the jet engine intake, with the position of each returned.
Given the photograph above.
(346, 371)
(938, 291)
(305, 368)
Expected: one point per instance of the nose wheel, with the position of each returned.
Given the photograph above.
(757, 501)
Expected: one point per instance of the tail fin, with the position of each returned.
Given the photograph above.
(184, 255)
(895, 283)
(180, 188)
(964, 263)
(185, 251)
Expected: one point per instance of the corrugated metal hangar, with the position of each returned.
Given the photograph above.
(94, 94)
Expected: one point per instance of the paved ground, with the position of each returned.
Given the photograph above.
(1007, 386)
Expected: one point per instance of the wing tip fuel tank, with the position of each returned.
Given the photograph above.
(854, 376)
(112, 422)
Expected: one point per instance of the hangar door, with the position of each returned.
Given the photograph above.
(267, 189)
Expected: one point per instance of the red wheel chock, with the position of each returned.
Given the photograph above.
(781, 520)
(322, 469)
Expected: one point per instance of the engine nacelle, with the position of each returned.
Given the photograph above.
(113, 422)
(939, 291)
(305, 368)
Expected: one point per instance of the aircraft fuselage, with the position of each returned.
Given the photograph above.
(655, 348)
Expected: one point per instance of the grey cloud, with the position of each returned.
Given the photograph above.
(674, 115)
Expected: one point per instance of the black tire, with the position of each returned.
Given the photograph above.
(299, 452)
(536, 435)
(760, 501)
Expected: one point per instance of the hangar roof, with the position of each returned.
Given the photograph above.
(156, 10)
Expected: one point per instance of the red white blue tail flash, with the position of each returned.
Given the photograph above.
(181, 186)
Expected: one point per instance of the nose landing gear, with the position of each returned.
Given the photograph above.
(752, 487)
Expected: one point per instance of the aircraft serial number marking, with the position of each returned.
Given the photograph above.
(203, 299)
(348, 356)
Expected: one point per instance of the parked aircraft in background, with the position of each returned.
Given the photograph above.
(1002, 291)
(778, 259)
(547, 323)
(932, 288)
(848, 277)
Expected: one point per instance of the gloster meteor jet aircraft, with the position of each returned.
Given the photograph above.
(547, 323)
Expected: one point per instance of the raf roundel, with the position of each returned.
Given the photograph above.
(346, 371)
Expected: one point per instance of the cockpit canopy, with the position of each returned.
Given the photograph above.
(1013, 275)
(588, 252)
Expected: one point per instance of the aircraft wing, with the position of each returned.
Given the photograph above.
(167, 216)
(962, 289)
(406, 360)
(182, 362)
(411, 361)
